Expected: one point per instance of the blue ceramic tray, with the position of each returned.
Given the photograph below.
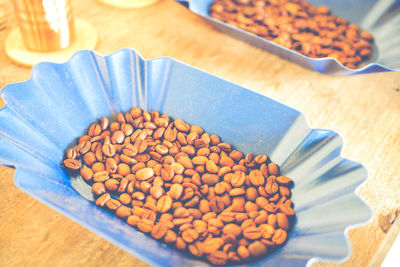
(45, 114)
(380, 17)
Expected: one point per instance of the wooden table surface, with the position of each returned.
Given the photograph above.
(364, 109)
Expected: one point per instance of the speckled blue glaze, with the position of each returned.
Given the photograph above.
(380, 17)
(45, 114)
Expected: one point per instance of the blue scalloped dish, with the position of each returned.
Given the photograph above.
(45, 114)
(380, 17)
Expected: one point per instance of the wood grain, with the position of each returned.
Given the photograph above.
(364, 109)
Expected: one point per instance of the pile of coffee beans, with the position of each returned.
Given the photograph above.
(297, 25)
(185, 187)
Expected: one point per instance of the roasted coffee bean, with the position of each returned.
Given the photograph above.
(144, 174)
(113, 204)
(71, 153)
(87, 174)
(145, 225)
(112, 184)
(233, 229)
(98, 188)
(197, 249)
(125, 198)
(296, 25)
(218, 257)
(176, 191)
(252, 233)
(257, 249)
(273, 169)
(257, 178)
(108, 150)
(205, 196)
(83, 147)
(164, 204)
(213, 244)
(159, 230)
(123, 212)
(101, 201)
(279, 237)
(243, 252)
(72, 164)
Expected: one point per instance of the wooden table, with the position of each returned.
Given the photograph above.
(364, 109)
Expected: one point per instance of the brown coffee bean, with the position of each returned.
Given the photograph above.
(217, 204)
(113, 204)
(112, 184)
(72, 164)
(87, 174)
(243, 252)
(190, 235)
(279, 237)
(186, 162)
(117, 137)
(111, 165)
(213, 244)
(227, 216)
(89, 158)
(156, 191)
(257, 249)
(238, 179)
(160, 230)
(101, 201)
(250, 206)
(136, 112)
(125, 198)
(195, 213)
(144, 174)
(180, 243)
(188, 193)
(286, 209)
(181, 125)
(133, 220)
(196, 249)
(98, 166)
(257, 178)
(176, 191)
(237, 192)
(218, 257)
(123, 212)
(164, 204)
(283, 180)
(104, 123)
(220, 188)
(212, 167)
(108, 150)
(167, 172)
(226, 162)
(251, 193)
(181, 212)
(238, 204)
(267, 230)
(83, 147)
(271, 187)
(252, 233)
(170, 237)
(98, 189)
(210, 179)
(145, 225)
(71, 153)
(273, 169)
(233, 229)
(199, 160)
